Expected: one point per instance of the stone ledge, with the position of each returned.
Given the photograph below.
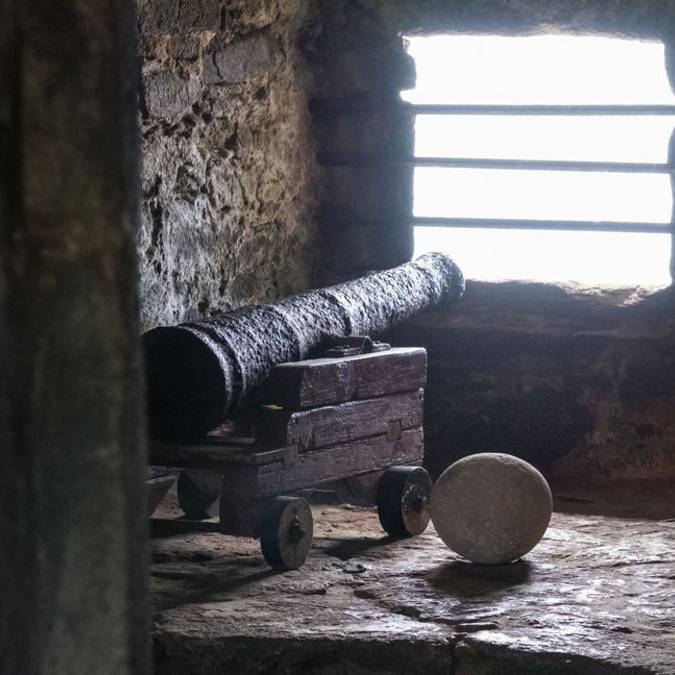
(578, 381)
(557, 309)
(595, 597)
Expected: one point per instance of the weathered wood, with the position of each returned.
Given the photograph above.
(310, 446)
(315, 382)
(330, 425)
(404, 500)
(210, 455)
(286, 532)
(322, 466)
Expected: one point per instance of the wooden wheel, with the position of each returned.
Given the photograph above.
(286, 534)
(403, 499)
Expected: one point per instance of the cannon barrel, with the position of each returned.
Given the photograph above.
(197, 373)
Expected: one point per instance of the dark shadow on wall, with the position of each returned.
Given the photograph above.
(580, 382)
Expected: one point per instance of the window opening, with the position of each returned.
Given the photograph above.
(544, 157)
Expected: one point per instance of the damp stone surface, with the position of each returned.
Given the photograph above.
(595, 597)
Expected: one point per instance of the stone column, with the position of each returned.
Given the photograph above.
(9, 524)
(73, 517)
(367, 200)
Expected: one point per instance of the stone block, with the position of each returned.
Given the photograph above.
(577, 382)
(167, 94)
(183, 46)
(175, 16)
(236, 62)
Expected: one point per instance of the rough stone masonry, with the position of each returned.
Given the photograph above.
(229, 179)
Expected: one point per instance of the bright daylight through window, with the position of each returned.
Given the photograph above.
(547, 70)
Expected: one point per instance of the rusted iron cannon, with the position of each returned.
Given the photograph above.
(198, 373)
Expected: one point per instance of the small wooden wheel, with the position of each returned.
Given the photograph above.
(286, 533)
(403, 499)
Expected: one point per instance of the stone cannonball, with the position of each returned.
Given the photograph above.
(491, 507)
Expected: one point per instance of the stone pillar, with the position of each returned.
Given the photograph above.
(9, 524)
(73, 519)
(368, 194)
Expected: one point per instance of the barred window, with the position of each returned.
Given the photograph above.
(544, 157)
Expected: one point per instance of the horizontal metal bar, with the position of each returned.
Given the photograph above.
(329, 106)
(527, 224)
(479, 109)
(510, 164)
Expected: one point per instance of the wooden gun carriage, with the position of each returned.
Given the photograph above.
(347, 416)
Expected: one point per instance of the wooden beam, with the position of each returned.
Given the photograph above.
(315, 382)
(321, 427)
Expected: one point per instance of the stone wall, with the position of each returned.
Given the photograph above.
(579, 382)
(631, 18)
(237, 209)
(229, 178)
(362, 67)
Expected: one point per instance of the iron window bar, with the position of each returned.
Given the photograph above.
(487, 163)
(359, 105)
(330, 106)
(529, 224)
(563, 110)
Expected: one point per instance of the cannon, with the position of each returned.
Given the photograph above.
(349, 416)
(198, 373)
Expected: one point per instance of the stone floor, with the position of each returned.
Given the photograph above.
(597, 596)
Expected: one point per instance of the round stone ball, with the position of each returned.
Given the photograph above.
(491, 508)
